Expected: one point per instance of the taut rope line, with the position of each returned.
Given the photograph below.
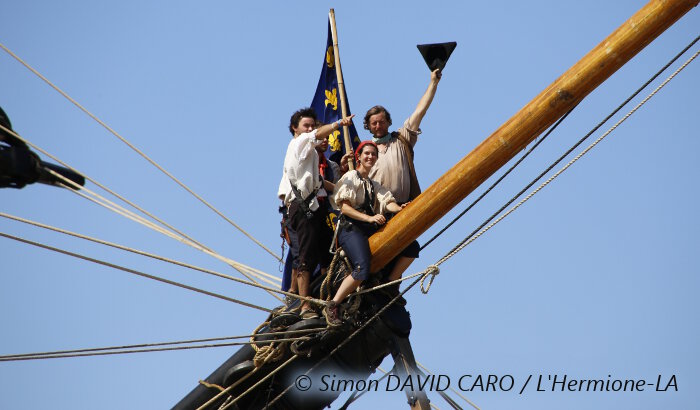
(600, 124)
(131, 215)
(128, 214)
(228, 389)
(498, 181)
(141, 153)
(351, 336)
(142, 345)
(143, 253)
(472, 238)
(451, 388)
(75, 188)
(465, 243)
(135, 272)
(149, 350)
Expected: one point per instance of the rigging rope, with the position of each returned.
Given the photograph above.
(150, 350)
(159, 344)
(266, 353)
(142, 253)
(359, 393)
(498, 181)
(676, 57)
(228, 389)
(128, 214)
(472, 237)
(141, 153)
(455, 250)
(243, 269)
(349, 338)
(251, 388)
(424, 289)
(426, 272)
(607, 118)
(451, 388)
(135, 272)
(115, 194)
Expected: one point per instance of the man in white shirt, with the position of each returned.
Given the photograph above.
(300, 187)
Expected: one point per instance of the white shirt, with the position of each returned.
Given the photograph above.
(301, 169)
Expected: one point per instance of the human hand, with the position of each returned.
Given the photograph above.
(346, 121)
(436, 75)
(344, 162)
(379, 219)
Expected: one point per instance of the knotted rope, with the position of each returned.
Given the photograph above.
(431, 271)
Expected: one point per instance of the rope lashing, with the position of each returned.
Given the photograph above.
(433, 271)
(268, 353)
(211, 385)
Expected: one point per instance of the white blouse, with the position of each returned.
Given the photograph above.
(351, 188)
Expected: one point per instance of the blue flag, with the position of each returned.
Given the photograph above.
(326, 103)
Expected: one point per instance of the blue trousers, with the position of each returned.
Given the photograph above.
(353, 238)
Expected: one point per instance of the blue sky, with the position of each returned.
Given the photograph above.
(595, 276)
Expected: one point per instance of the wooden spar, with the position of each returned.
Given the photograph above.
(341, 87)
(536, 116)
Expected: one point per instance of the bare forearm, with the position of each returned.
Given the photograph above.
(326, 130)
(353, 213)
(393, 207)
(417, 117)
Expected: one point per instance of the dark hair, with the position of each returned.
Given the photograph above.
(298, 115)
(377, 109)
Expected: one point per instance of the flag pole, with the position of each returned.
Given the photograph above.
(341, 88)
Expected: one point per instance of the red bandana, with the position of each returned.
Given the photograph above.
(322, 165)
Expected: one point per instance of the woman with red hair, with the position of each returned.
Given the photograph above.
(362, 203)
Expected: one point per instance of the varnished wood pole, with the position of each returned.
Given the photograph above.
(511, 137)
(341, 88)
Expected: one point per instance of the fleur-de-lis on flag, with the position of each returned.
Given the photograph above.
(334, 141)
(330, 57)
(332, 98)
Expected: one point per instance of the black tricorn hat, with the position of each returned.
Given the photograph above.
(437, 54)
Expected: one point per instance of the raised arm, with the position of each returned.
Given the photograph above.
(427, 98)
(326, 130)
